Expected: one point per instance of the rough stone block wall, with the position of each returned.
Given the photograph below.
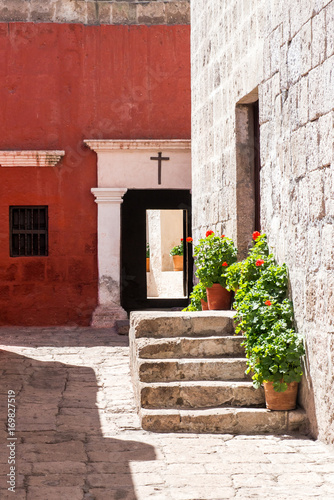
(285, 50)
(148, 12)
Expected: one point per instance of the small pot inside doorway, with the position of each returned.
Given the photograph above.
(147, 264)
(218, 298)
(178, 262)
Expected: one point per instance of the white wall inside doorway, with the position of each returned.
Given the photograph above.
(164, 230)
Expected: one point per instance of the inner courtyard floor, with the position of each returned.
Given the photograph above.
(73, 433)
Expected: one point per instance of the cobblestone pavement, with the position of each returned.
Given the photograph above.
(78, 435)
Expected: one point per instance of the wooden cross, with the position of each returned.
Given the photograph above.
(160, 158)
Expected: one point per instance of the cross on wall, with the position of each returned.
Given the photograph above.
(160, 159)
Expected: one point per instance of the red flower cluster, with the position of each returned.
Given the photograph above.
(208, 233)
(223, 235)
(189, 240)
(256, 234)
(224, 264)
(267, 303)
(181, 239)
(259, 262)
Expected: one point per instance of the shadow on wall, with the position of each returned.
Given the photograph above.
(60, 451)
(306, 396)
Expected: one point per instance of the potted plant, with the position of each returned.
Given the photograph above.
(214, 255)
(275, 360)
(177, 254)
(147, 257)
(265, 317)
(198, 299)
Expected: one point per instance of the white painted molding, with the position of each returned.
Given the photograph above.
(129, 163)
(105, 145)
(109, 195)
(43, 158)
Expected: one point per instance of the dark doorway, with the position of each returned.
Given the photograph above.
(133, 252)
(248, 169)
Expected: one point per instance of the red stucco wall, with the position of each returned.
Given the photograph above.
(60, 84)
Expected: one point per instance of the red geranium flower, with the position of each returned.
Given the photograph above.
(259, 262)
(256, 234)
(223, 235)
(181, 239)
(208, 233)
(225, 264)
(189, 240)
(267, 303)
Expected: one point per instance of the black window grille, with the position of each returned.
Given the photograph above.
(28, 231)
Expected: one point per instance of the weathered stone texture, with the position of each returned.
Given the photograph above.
(285, 50)
(118, 460)
(197, 383)
(147, 12)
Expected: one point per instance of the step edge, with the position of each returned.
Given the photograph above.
(196, 337)
(221, 409)
(192, 360)
(198, 383)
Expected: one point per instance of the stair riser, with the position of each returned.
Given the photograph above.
(201, 397)
(193, 348)
(237, 423)
(205, 324)
(169, 371)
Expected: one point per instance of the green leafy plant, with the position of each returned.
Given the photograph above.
(276, 358)
(245, 274)
(177, 250)
(214, 255)
(265, 317)
(147, 250)
(198, 293)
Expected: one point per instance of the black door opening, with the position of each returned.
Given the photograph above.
(134, 209)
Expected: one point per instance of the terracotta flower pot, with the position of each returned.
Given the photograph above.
(178, 262)
(218, 298)
(147, 264)
(205, 306)
(286, 400)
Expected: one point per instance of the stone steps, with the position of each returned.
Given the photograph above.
(177, 324)
(225, 421)
(159, 370)
(201, 394)
(188, 373)
(190, 347)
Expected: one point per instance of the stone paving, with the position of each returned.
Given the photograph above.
(78, 436)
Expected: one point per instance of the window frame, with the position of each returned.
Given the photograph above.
(28, 231)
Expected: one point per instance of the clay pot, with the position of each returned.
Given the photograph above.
(205, 306)
(178, 262)
(147, 264)
(218, 298)
(286, 400)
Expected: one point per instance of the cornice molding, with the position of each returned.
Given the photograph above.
(42, 158)
(106, 145)
(109, 195)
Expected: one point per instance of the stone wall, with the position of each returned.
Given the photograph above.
(284, 53)
(96, 11)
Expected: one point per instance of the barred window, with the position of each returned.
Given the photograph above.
(28, 231)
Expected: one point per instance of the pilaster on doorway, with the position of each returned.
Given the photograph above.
(109, 247)
(124, 165)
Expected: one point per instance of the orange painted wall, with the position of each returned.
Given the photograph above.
(61, 84)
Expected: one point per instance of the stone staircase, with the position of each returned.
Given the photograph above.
(188, 371)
